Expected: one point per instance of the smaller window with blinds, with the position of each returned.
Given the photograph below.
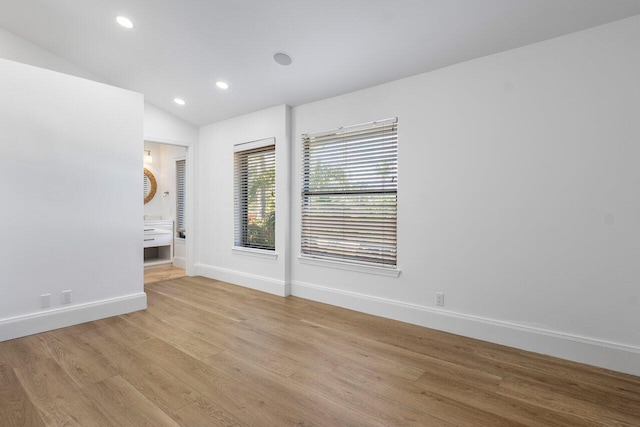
(349, 194)
(255, 194)
(181, 171)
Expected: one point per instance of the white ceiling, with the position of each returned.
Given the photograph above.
(180, 48)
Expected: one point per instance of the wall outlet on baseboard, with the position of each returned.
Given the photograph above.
(439, 299)
(45, 300)
(66, 297)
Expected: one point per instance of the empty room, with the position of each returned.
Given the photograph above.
(327, 213)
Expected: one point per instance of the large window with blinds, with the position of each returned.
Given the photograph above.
(255, 194)
(181, 177)
(349, 194)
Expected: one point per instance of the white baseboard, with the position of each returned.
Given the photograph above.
(179, 262)
(259, 283)
(30, 324)
(594, 352)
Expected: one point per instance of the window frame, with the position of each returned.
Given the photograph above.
(241, 204)
(381, 265)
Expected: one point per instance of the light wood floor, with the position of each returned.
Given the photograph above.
(158, 274)
(208, 353)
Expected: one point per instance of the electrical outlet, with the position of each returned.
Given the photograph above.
(66, 297)
(439, 299)
(45, 300)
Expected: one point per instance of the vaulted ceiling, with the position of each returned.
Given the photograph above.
(181, 48)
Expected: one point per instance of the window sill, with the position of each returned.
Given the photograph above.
(258, 253)
(360, 268)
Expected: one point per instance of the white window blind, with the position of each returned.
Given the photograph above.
(349, 194)
(255, 194)
(180, 198)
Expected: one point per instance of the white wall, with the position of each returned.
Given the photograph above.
(215, 211)
(71, 182)
(159, 126)
(163, 168)
(518, 198)
(18, 49)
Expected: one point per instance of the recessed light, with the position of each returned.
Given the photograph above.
(222, 85)
(124, 21)
(179, 101)
(282, 58)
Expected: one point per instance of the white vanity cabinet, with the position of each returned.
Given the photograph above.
(158, 242)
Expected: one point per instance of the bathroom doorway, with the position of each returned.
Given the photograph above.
(166, 211)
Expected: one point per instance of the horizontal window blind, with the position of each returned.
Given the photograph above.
(349, 194)
(255, 198)
(146, 186)
(180, 197)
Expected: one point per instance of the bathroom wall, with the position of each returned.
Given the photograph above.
(163, 206)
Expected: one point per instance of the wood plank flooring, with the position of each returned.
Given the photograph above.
(207, 353)
(165, 272)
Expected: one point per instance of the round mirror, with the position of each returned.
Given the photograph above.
(150, 185)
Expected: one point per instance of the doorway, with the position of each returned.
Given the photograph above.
(165, 211)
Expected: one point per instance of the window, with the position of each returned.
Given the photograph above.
(255, 194)
(349, 194)
(180, 198)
